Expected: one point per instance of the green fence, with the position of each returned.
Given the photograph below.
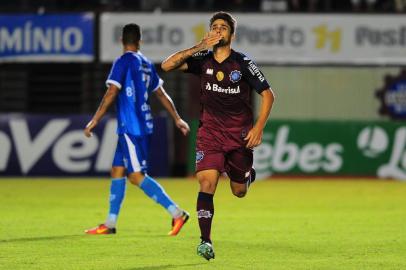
(333, 148)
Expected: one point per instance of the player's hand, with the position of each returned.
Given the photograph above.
(183, 126)
(209, 40)
(254, 137)
(89, 127)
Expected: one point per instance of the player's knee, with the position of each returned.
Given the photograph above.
(117, 172)
(239, 193)
(136, 178)
(133, 181)
(207, 186)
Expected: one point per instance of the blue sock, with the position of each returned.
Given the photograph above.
(117, 191)
(155, 191)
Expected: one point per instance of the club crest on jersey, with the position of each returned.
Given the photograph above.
(209, 71)
(199, 156)
(220, 75)
(235, 76)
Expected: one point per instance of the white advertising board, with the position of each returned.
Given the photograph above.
(269, 38)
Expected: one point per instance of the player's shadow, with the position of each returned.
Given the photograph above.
(60, 237)
(140, 235)
(167, 266)
(271, 246)
(42, 238)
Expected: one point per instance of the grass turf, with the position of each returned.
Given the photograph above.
(279, 225)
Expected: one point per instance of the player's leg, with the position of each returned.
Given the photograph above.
(136, 153)
(157, 193)
(240, 189)
(209, 164)
(239, 169)
(208, 180)
(117, 192)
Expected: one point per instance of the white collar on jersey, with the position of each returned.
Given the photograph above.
(134, 52)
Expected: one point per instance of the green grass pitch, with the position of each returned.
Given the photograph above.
(286, 224)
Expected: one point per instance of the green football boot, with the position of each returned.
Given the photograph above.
(205, 250)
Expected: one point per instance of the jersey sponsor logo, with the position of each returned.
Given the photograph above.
(220, 75)
(255, 71)
(216, 88)
(146, 78)
(148, 116)
(235, 76)
(204, 214)
(145, 107)
(199, 156)
(209, 71)
(145, 68)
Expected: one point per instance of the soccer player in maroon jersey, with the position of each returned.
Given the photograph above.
(227, 133)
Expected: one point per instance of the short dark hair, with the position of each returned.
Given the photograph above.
(131, 34)
(226, 17)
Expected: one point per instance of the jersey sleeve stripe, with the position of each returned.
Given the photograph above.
(160, 83)
(108, 82)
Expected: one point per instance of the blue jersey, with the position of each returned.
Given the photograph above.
(136, 78)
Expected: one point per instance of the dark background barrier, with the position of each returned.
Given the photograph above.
(54, 145)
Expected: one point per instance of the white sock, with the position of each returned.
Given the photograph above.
(111, 221)
(175, 211)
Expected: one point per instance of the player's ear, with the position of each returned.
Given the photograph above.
(233, 37)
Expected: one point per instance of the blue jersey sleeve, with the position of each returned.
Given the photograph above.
(117, 73)
(155, 80)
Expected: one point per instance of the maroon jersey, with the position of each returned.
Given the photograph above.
(226, 90)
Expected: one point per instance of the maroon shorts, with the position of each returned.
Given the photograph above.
(224, 152)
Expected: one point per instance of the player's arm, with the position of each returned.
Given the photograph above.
(254, 136)
(108, 99)
(178, 59)
(168, 104)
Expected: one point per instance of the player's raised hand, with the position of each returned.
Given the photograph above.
(209, 40)
(183, 126)
(254, 137)
(89, 127)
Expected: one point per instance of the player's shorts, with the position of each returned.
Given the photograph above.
(132, 153)
(224, 153)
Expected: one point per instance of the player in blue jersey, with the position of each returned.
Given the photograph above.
(131, 81)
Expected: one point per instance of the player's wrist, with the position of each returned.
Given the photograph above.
(199, 47)
(92, 122)
(259, 127)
